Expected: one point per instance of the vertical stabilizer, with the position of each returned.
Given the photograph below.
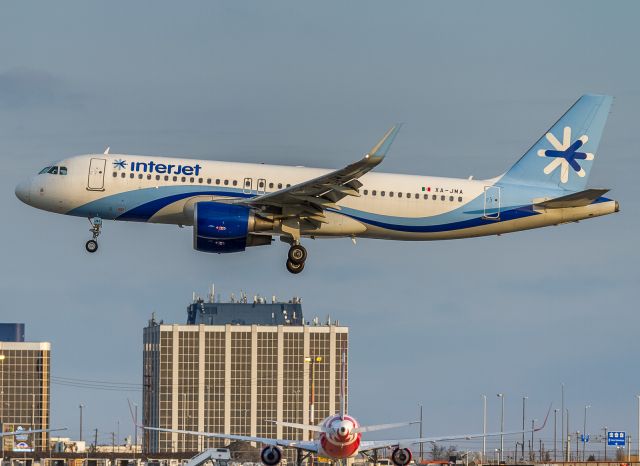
(563, 156)
(343, 378)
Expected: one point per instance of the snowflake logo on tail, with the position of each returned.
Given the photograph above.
(120, 164)
(565, 154)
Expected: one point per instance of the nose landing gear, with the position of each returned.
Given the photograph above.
(296, 258)
(96, 225)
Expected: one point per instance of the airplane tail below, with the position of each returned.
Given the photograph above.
(563, 156)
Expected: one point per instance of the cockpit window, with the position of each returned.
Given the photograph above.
(53, 170)
(44, 170)
(63, 170)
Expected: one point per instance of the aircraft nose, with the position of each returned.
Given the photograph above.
(23, 191)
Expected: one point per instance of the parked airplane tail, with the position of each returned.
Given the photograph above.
(563, 156)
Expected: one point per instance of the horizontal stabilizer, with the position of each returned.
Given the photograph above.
(374, 428)
(295, 425)
(579, 199)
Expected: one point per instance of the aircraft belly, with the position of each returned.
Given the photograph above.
(337, 225)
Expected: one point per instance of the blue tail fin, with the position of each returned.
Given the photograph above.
(563, 156)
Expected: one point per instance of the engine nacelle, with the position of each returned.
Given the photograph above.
(224, 228)
(401, 456)
(271, 455)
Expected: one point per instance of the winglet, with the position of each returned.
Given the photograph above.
(545, 420)
(382, 147)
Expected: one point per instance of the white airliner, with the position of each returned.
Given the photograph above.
(339, 437)
(235, 205)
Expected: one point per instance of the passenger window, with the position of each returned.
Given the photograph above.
(53, 170)
(373, 193)
(460, 199)
(366, 192)
(157, 177)
(382, 193)
(123, 175)
(235, 182)
(418, 196)
(191, 180)
(450, 198)
(115, 175)
(140, 176)
(63, 170)
(208, 180)
(166, 177)
(131, 175)
(390, 193)
(200, 180)
(184, 179)
(279, 185)
(149, 176)
(270, 185)
(175, 178)
(399, 194)
(426, 196)
(261, 184)
(226, 182)
(409, 195)
(288, 186)
(442, 198)
(434, 197)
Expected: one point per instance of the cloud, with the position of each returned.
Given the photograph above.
(27, 88)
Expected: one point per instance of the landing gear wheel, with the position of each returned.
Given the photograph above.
(297, 254)
(91, 246)
(294, 267)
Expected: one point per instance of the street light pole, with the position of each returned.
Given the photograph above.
(501, 396)
(484, 427)
(584, 431)
(606, 440)
(81, 406)
(638, 396)
(524, 401)
(421, 444)
(555, 435)
(562, 426)
(312, 361)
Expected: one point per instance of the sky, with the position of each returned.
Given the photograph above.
(317, 84)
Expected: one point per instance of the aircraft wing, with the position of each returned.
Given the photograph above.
(299, 444)
(309, 199)
(27, 432)
(404, 443)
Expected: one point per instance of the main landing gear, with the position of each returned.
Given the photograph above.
(96, 225)
(295, 258)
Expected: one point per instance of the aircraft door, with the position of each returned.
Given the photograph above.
(248, 186)
(96, 175)
(262, 186)
(492, 202)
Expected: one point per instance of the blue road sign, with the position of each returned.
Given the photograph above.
(616, 439)
(584, 438)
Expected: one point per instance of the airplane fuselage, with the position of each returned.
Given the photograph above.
(390, 206)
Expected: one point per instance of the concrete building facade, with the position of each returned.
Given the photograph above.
(236, 378)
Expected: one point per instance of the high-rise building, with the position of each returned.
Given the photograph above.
(24, 393)
(235, 378)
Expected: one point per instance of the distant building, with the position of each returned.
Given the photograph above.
(11, 332)
(235, 376)
(24, 393)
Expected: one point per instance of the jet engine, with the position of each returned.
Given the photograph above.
(401, 456)
(224, 228)
(271, 455)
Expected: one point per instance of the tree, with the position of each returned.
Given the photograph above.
(443, 453)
